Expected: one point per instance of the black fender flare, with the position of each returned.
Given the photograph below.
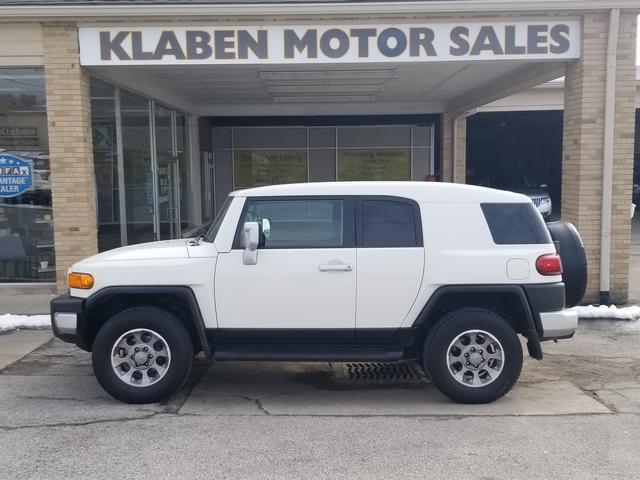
(532, 323)
(185, 292)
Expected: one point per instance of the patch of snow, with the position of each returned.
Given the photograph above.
(604, 312)
(13, 322)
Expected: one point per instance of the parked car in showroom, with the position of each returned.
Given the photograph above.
(448, 275)
(521, 183)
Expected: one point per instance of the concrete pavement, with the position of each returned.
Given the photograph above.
(576, 414)
(17, 344)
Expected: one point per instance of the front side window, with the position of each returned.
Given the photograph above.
(388, 223)
(299, 223)
(210, 236)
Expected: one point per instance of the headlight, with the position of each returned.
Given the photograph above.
(83, 281)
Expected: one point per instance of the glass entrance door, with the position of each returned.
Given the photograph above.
(141, 158)
(167, 175)
(135, 178)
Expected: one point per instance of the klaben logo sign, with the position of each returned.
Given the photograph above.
(283, 44)
(16, 175)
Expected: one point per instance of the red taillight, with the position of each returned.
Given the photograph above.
(549, 264)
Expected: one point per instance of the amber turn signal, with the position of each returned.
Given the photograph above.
(80, 280)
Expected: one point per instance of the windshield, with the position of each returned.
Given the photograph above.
(210, 236)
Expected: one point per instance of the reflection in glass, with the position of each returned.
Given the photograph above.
(183, 154)
(142, 187)
(26, 216)
(167, 173)
(138, 174)
(105, 157)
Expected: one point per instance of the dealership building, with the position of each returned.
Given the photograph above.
(124, 122)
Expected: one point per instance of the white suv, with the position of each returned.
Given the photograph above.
(445, 274)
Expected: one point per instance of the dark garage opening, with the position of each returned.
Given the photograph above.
(524, 143)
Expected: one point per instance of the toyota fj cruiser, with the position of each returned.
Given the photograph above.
(445, 274)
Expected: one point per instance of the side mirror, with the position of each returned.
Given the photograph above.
(251, 238)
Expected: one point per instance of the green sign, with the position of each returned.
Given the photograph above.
(374, 164)
(254, 168)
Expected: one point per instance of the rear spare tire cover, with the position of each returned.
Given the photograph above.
(574, 260)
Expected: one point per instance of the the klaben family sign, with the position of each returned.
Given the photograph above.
(358, 43)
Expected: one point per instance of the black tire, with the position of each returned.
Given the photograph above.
(450, 327)
(574, 260)
(157, 320)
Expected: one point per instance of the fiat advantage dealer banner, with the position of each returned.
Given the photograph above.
(309, 44)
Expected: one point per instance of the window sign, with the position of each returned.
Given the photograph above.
(27, 252)
(254, 168)
(374, 164)
(18, 137)
(16, 175)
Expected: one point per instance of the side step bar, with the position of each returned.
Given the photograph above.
(307, 353)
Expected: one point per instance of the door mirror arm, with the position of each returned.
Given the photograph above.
(251, 240)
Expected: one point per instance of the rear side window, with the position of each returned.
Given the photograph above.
(515, 223)
(388, 223)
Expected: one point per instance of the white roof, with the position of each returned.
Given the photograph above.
(419, 191)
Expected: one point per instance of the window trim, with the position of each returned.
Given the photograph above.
(348, 219)
(389, 198)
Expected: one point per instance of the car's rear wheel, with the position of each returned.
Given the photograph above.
(142, 355)
(473, 355)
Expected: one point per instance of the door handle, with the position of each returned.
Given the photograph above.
(335, 267)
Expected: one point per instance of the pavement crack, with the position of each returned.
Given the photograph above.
(6, 428)
(594, 395)
(288, 392)
(261, 407)
(44, 397)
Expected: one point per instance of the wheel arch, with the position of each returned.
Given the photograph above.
(509, 301)
(178, 300)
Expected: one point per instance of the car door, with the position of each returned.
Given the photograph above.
(391, 260)
(305, 275)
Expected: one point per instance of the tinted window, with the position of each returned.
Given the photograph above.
(300, 223)
(386, 223)
(515, 223)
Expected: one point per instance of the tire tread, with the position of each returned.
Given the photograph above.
(457, 314)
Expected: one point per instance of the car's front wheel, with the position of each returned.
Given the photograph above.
(473, 355)
(142, 355)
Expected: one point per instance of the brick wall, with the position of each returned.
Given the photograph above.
(583, 147)
(70, 148)
(447, 148)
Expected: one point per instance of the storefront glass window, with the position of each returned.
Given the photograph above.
(142, 165)
(374, 153)
(167, 172)
(26, 216)
(138, 173)
(265, 155)
(269, 156)
(105, 155)
(184, 156)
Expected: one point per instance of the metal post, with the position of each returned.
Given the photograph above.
(607, 156)
(122, 205)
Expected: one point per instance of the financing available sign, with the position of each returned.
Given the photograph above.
(16, 175)
(311, 44)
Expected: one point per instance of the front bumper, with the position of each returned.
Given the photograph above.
(68, 320)
(560, 324)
